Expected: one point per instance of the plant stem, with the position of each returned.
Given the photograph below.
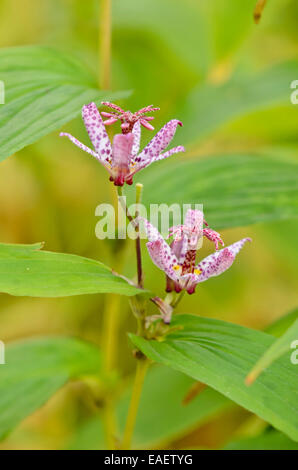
(142, 365)
(139, 190)
(124, 206)
(109, 420)
(111, 317)
(178, 299)
(259, 10)
(110, 342)
(105, 41)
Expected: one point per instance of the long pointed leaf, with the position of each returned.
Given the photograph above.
(221, 354)
(25, 270)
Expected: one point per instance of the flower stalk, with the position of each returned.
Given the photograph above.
(139, 191)
(259, 10)
(105, 43)
(142, 366)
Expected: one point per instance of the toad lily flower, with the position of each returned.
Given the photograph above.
(122, 159)
(178, 261)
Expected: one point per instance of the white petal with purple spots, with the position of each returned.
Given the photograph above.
(159, 143)
(219, 261)
(164, 259)
(97, 131)
(79, 144)
(137, 139)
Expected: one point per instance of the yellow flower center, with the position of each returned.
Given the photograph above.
(197, 272)
(176, 267)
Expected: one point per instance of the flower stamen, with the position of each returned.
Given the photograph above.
(127, 118)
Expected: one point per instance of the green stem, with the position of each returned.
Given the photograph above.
(139, 191)
(142, 365)
(109, 344)
(131, 219)
(105, 41)
(123, 205)
(110, 428)
(178, 299)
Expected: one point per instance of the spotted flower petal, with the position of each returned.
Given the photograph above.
(137, 139)
(192, 228)
(179, 248)
(219, 261)
(160, 252)
(79, 144)
(151, 232)
(159, 143)
(164, 258)
(97, 131)
(194, 219)
(162, 156)
(213, 236)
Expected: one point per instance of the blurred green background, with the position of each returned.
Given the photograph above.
(162, 50)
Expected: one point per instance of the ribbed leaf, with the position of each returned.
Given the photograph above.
(35, 370)
(221, 354)
(44, 89)
(276, 350)
(234, 190)
(25, 270)
(280, 326)
(210, 106)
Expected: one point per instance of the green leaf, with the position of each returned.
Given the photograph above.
(35, 369)
(163, 393)
(210, 106)
(44, 89)
(280, 326)
(270, 440)
(276, 350)
(189, 27)
(183, 21)
(26, 271)
(235, 190)
(221, 354)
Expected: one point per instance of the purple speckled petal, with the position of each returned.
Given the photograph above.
(146, 163)
(151, 232)
(159, 142)
(160, 252)
(97, 131)
(170, 152)
(162, 156)
(79, 144)
(179, 248)
(213, 236)
(137, 138)
(194, 227)
(163, 258)
(194, 219)
(219, 261)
